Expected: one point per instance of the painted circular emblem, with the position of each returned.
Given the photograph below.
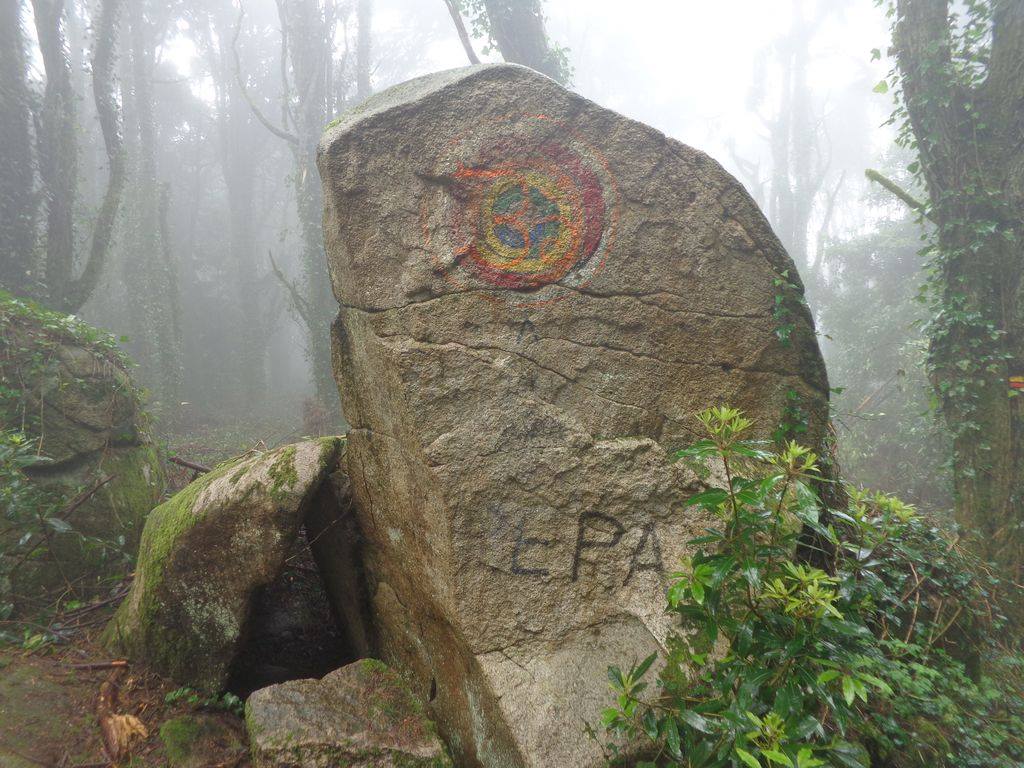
(533, 208)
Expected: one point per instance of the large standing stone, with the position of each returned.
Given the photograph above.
(536, 296)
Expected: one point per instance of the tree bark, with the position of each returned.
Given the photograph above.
(58, 153)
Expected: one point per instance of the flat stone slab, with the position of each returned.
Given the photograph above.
(360, 716)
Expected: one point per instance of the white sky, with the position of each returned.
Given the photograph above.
(684, 66)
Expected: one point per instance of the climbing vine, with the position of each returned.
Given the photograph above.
(945, 88)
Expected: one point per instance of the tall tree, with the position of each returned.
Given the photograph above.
(58, 152)
(796, 191)
(516, 28)
(960, 75)
(150, 274)
(307, 36)
(17, 177)
(237, 144)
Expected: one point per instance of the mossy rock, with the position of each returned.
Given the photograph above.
(189, 740)
(363, 715)
(67, 387)
(204, 554)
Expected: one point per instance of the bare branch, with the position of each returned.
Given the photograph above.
(460, 27)
(281, 133)
(299, 304)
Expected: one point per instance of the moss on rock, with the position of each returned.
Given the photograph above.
(66, 386)
(206, 551)
(189, 740)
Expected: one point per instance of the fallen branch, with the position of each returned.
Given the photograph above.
(74, 614)
(189, 464)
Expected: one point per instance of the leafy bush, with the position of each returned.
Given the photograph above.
(779, 663)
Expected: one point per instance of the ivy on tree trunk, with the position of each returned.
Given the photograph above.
(961, 82)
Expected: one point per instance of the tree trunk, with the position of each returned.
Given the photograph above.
(17, 179)
(58, 151)
(304, 21)
(970, 140)
(517, 27)
(149, 273)
(237, 149)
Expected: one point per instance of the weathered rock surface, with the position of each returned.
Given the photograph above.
(360, 716)
(207, 551)
(537, 294)
(66, 385)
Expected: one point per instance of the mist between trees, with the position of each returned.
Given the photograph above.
(158, 179)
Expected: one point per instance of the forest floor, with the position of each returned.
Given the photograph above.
(50, 707)
(51, 712)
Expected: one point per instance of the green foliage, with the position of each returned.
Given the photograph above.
(778, 663)
(30, 336)
(943, 116)
(228, 702)
(37, 532)
(29, 515)
(875, 351)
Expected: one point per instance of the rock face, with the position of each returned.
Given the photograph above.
(537, 294)
(360, 716)
(67, 386)
(207, 551)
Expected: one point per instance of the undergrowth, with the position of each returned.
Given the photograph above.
(887, 657)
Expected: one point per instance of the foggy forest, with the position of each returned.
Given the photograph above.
(511, 383)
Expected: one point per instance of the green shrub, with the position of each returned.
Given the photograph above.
(874, 661)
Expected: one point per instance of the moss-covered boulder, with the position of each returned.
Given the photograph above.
(206, 552)
(66, 387)
(360, 716)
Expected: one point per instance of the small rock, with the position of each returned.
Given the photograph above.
(360, 716)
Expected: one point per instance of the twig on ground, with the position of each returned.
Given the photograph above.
(115, 663)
